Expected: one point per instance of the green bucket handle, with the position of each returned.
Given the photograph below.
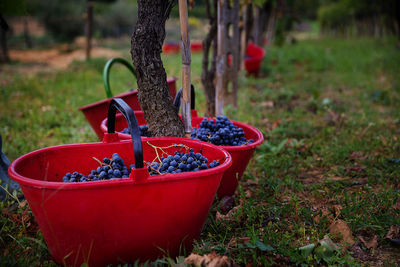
(106, 72)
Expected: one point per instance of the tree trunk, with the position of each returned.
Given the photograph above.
(208, 70)
(146, 46)
(3, 40)
(249, 22)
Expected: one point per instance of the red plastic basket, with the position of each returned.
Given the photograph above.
(122, 220)
(171, 48)
(96, 112)
(196, 47)
(254, 56)
(241, 155)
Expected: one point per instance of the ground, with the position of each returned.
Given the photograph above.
(329, 169)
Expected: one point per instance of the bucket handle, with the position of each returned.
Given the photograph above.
(125, 109)
(177, 100)
(106, 72)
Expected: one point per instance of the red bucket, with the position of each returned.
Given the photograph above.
(196, 47)
(171, 48)
(97, 111)
(241, 155)
(121, 220)
(254, 56)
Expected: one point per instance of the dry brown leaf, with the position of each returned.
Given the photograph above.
(267, 104)
(23, 204)
(248, 193)
(337, 209)
(369, 243)
(230, 216)
(275, 124)
(341, 228)
(194, 259)
(337, 178)
(209, 260)
(252, 182)
(324, 213)
(394, 232)
(357, 155)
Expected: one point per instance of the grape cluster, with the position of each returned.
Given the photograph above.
(144, 131)
(222, 132)
(110, 168)
(181, 162)
(114, 168)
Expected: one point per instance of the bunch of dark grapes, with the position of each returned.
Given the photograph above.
(181, 162)
(222, 132)
(144, 131)
(114, 168)
(110, 168)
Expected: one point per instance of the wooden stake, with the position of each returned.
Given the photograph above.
(186, 59)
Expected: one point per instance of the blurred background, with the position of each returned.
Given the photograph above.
(36, 24)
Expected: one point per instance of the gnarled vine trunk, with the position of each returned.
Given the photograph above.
(209, 68)
(146, 46)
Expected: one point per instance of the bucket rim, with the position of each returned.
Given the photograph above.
(172, 177)
(256, 143)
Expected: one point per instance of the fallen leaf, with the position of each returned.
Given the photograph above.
(357, 155)
(248, 193)
(230, 216)
(23, 204)
(337, 209)
(210, 260)
(265, 120)
(369, 243)
(267, 104)
(322, 212)
(194, 259)
(252, 182)
(275, 124)
(394, 232)
(341, 228)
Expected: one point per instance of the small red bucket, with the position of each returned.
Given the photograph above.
(241, 155)
(196, 47)
(121, 220)
(171, 48)
(254, 56)
(97, 111)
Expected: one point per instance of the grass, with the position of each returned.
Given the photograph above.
(329, 111)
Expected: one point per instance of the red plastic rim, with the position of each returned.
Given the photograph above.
(169, 80)
(118, 182)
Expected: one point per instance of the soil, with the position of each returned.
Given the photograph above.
(57, 58)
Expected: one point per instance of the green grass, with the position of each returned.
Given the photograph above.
(330, 136)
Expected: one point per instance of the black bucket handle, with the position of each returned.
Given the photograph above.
(126, 110)
(177, 100)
